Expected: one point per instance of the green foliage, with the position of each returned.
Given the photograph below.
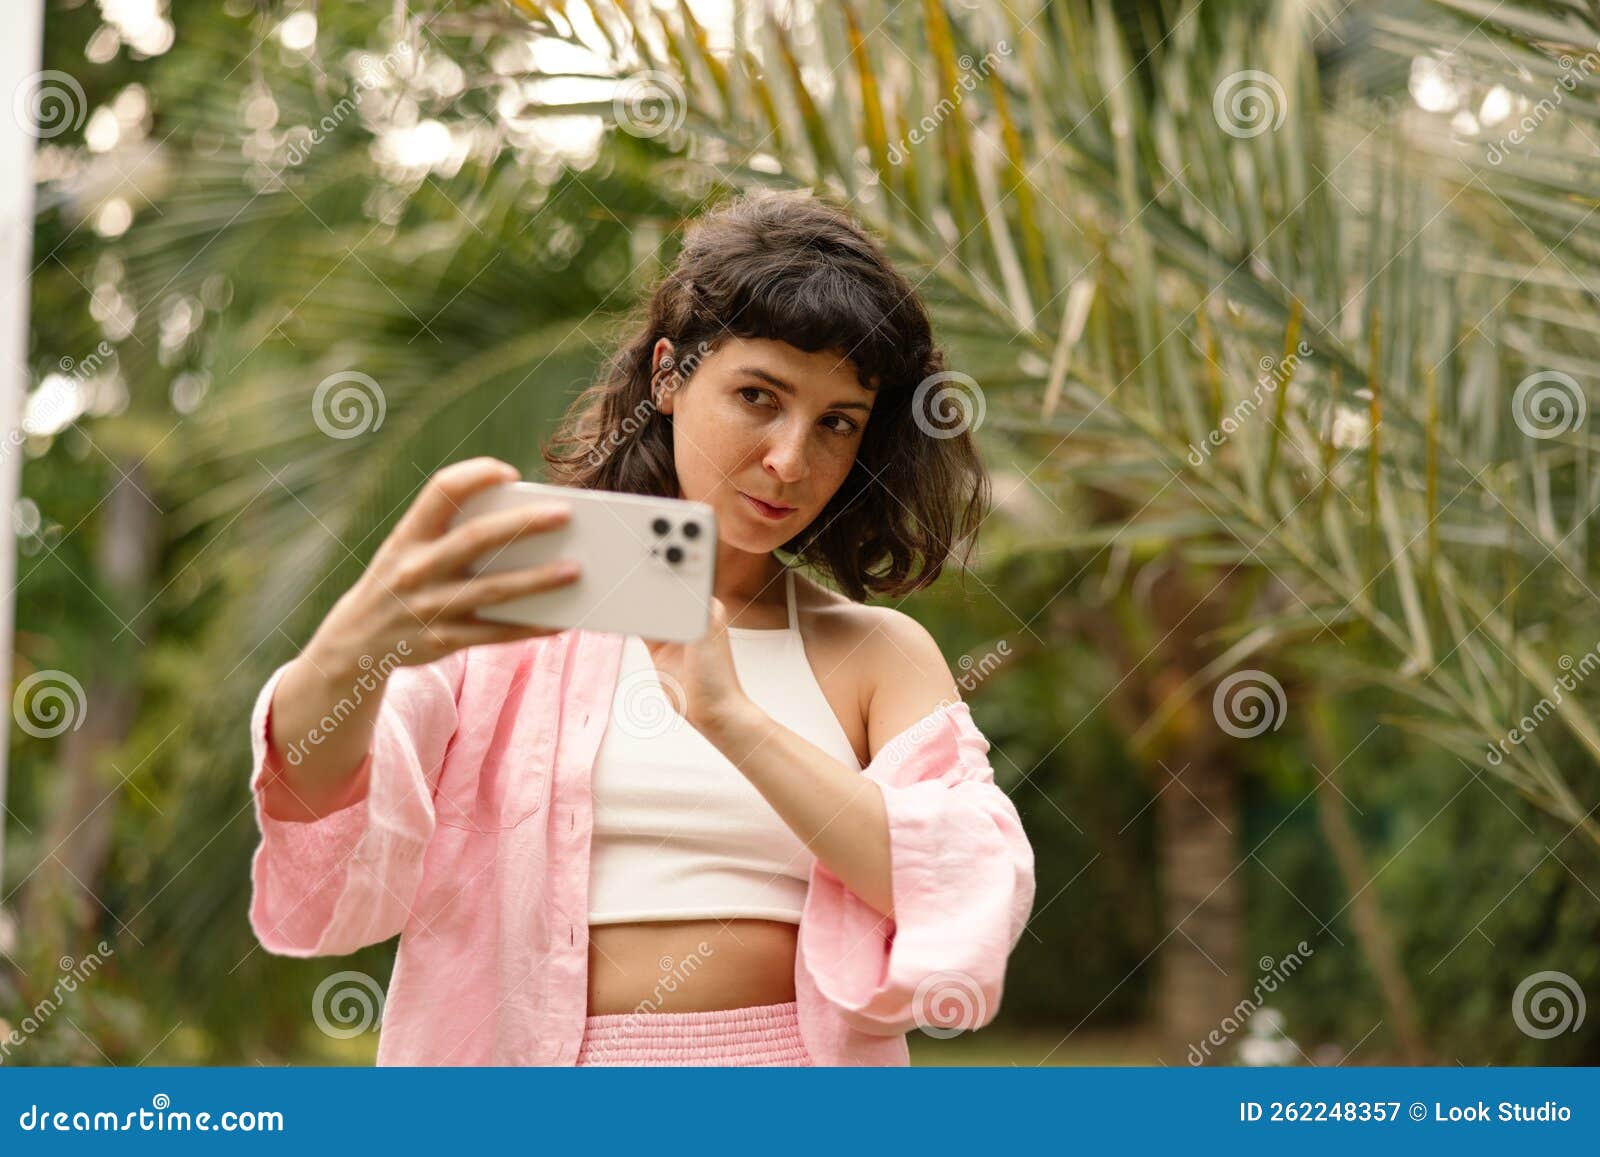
(1486, 892)
(1106, 259)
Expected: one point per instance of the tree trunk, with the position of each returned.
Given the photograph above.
(1202, 896)
(61, 901)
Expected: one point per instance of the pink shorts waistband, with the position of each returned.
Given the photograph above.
(760, 1034)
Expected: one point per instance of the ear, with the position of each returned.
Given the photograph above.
(663, 371)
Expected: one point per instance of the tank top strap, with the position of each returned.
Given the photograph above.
(794, 614)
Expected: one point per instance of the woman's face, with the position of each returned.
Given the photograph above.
(760, 419)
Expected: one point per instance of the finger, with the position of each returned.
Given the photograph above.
(446, 489)
(462, 599)
(488, 534)
(468, 633)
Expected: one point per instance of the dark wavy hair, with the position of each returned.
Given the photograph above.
(790, 267)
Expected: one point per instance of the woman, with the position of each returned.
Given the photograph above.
(811, 856)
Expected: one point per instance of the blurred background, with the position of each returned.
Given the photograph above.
(1277, 326)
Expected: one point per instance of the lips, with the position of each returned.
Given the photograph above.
(766, 509)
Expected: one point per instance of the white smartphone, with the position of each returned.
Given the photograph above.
(648, 563)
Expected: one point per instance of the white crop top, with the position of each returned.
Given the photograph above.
(679, 832)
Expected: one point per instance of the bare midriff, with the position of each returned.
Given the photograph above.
(690, 965)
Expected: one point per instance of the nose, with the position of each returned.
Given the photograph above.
(785, 457)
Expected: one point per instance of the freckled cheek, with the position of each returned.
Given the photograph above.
(721, 443)
(829, 469)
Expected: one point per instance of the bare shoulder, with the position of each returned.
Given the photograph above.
(898, 671)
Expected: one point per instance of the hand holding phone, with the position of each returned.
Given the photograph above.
(418, 591)
(648, 563)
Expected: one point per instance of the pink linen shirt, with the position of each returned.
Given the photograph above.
(471, 841)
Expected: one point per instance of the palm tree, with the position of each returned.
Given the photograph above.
(1254, 339)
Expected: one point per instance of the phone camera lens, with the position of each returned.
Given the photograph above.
(674, 554)
(691, 530)
(661, 526)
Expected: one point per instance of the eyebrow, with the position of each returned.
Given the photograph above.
(763, 375)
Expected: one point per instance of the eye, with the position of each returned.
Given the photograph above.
(846, 426)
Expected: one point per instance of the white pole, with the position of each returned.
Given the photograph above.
(20, 53)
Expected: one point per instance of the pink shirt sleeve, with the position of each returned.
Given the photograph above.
(329, 886)
(963, 884)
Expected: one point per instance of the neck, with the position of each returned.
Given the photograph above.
(745, 579)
